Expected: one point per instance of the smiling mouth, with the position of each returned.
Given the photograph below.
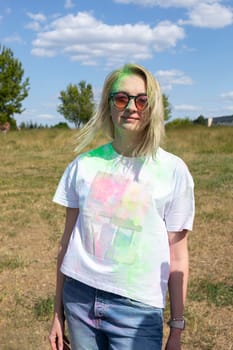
(129, 118)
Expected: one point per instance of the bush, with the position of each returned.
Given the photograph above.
(179, 123)
(61, 125)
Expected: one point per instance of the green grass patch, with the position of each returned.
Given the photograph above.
(218, 293)
(43, 308)
(10, 263)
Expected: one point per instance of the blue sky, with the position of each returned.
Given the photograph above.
(186, 44)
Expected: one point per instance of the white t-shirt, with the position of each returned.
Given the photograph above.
(126, 208)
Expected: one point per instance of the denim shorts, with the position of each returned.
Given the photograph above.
(99, 320)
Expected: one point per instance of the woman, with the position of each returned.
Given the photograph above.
(129, 205)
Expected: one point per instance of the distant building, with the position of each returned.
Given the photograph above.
(225, 120)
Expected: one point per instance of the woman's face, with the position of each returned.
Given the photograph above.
(130, 119)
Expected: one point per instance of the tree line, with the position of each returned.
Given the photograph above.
(76, 101)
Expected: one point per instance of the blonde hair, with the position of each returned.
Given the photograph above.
(101, 121)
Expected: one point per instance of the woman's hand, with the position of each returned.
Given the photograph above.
(174, 340)
(56, 333)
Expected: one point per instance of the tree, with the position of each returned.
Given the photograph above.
(200, 120)
(77, 104)
(13, 90)
(167, 107)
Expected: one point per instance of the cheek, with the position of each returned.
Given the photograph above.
(146, 118)
(115, 115)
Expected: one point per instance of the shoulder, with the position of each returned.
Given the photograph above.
(175, 166)
(99, 152)
(91, 160)
(102, 151)
(169, 159)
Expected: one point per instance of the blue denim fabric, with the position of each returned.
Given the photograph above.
(99, 320)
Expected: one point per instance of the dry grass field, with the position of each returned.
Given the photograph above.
(30, 226)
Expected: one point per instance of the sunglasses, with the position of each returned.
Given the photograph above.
(121, 100)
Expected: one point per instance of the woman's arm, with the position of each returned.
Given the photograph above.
(178, 281)
(57, 329)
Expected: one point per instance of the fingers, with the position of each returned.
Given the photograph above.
(56, 343)
(59, 343)
(56, 335)
(52, 341)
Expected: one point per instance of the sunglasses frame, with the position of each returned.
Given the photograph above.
(130, 97)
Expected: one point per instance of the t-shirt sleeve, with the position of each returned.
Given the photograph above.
(67, 191)
(179, 212)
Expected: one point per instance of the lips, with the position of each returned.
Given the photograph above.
(129, 117)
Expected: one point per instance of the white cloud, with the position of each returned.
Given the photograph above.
(7, 11)
(228, 96)
(55, 15)
(168, 78)
(69, 4)
(86, 39)
(210, 16)
(201, 13)
(14, 38)
(167, 34)
(38, 17)
(45, 116)
(187, 108)
(35, 26)
(161, 3)
(29, 112)
(43, 52)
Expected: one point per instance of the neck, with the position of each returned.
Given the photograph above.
(125, 146)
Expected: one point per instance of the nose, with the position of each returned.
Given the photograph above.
(131, 104)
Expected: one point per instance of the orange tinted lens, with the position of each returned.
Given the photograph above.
(121, 100)
(141, 102)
